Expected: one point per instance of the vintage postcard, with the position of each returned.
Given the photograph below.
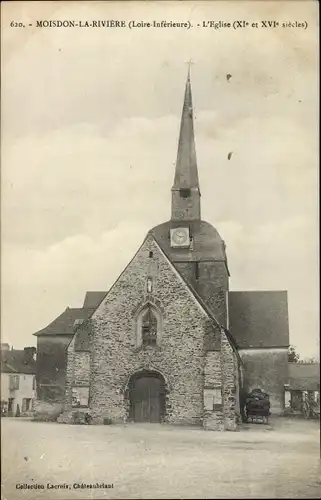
(159, 244)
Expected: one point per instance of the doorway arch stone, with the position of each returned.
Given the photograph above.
(146, 394)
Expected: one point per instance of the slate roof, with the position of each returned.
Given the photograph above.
(304, 376)
(259, 318)
(17, 361)
(65, 323)
(207, 243)
(92, 301)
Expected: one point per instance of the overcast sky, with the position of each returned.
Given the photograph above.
(90, 122)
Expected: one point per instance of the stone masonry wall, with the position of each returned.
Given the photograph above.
(82, 368)
(230, 382)
(179, 357)
(69, 375)
(213, 419)
(77, 375)
(238, 388)
(78, 371)
(221, 377)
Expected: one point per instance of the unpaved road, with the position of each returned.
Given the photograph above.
(281, 460)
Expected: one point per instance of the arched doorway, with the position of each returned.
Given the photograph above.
(147, 397)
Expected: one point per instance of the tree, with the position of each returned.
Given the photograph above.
(293, 356)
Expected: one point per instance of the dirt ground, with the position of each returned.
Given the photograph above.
(151, 461)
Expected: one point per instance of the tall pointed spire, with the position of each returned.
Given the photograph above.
(186, 174)
(185, 191)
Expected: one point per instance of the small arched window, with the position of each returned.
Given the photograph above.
(149, 328)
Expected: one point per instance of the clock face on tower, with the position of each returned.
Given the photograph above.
(180, 237)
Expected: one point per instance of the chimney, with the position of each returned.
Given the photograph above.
(30, 353)
(5, 347)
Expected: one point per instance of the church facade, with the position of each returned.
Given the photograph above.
(168, 342)
(153, 352)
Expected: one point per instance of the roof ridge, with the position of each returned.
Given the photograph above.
(64, 319)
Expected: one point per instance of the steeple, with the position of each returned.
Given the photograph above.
(185, 191)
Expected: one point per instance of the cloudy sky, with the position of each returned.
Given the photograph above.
(90, 122)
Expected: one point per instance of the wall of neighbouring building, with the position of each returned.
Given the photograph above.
(51, 375)
(47, 411)
(5, 394)
(51, 367)
(26, 391)
(266, 369)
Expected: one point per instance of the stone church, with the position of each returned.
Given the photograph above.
(169, 342)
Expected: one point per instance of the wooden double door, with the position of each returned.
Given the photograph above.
(147, 399)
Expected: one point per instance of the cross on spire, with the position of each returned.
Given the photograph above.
(190, 62)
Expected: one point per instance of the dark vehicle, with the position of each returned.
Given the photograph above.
(257, 406)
